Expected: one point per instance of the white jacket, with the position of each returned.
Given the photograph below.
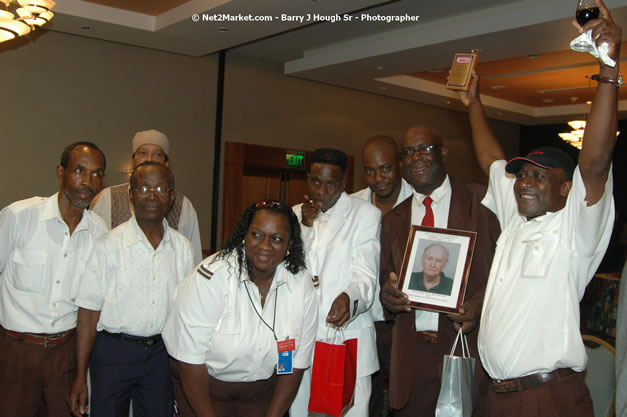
(346, 259)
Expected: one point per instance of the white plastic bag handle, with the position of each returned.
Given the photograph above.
(465, 347)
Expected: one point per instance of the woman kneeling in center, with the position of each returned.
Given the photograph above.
(243, 325)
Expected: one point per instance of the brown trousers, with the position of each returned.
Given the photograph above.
(568, 397)
(229, 399)
(35, 380)
(381, 378)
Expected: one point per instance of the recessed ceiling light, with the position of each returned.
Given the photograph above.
(436, 70)
(223, 29)
(548, 100)
(378, 68)
(382, 88)
(448, 101)
(497, 87)
(532, 56)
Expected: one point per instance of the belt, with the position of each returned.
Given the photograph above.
(138, 340)
(530, 381)
(44, 340)
(429, 337)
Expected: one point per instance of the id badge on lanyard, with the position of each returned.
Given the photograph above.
(285, 350)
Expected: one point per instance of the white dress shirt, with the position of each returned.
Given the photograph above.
(41, 265)
(441, 196)
(214, 322)
(366, 194)
(187, 226)
(530, 316)
(131, 283)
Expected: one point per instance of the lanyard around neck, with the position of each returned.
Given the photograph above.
(276, 296)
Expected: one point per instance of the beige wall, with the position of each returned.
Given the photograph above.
(264, 107)
(61, 88)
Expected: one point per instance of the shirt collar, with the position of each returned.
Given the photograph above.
(134, 234)
(51, 211)
(281, 275)
(539, 219)
(437, 194)
(51, 208)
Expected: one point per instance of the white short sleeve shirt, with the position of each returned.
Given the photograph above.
(131, 283)
(214, 322)
(530, 316)
(41, 265)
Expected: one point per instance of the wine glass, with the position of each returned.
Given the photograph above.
(587, 10)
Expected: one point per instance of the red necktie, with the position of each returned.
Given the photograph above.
(428, 220)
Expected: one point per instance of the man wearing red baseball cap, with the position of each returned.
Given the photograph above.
(556, 221)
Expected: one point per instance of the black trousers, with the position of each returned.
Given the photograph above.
(121, 371)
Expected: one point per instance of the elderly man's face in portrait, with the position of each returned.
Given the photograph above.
(434, 261)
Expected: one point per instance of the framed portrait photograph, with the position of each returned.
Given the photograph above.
(436, 266)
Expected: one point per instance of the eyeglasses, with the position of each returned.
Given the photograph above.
(159, 190)
(270, 204)
(422, 150)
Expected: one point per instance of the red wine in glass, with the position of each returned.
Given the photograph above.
(587, 14)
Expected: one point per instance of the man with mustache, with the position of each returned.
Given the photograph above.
(557, 220)
(113, 203)
(386, 189)
(44, 243)
(421, 338)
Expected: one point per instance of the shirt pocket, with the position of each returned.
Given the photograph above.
(29, 267)
(539, 250)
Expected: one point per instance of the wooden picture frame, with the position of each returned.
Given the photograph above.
(445, 254)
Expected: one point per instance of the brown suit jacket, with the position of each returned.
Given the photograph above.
(466, 213)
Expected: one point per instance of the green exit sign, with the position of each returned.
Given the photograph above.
(294, 160)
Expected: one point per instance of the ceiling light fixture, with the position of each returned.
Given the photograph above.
(30, 15)
(575, 137)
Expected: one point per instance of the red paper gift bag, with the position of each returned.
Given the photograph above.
(333, 378)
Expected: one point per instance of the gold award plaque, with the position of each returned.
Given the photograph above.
(459, 78)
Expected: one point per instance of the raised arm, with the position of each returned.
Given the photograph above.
(599, 137)
(487, 147)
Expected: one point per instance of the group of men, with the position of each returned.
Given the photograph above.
(73, 295)
(552, 219)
